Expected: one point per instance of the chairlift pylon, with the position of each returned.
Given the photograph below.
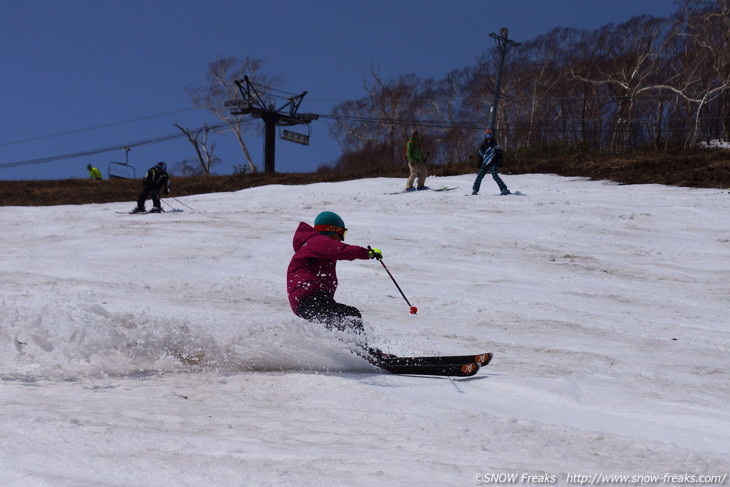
(260, 105)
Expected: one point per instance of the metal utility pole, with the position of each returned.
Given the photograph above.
(252, 103)
(503, 45)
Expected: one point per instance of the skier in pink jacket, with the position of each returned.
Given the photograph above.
(312, 274)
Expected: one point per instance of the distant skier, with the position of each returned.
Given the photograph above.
(491, 159)
(416, 163)
(156, 180)
(94, 172)
(312, 275)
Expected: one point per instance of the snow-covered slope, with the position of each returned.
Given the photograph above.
(158, 350)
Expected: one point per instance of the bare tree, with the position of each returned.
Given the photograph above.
(456, 139)
(626, 69)
(708, 45)
(383, 117)
(647, 81)
(199, 139)
(541, 110)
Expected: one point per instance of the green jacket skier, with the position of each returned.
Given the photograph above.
(416, 163)
(94, 172)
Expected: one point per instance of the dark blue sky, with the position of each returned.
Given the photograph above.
(80, 75)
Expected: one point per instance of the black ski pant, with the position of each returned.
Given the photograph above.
(321, 308)
(149, 191)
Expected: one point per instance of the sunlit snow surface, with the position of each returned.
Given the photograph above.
(160, 350)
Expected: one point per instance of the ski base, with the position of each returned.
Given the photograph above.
(481, 359)
(515, 193)
(406, 191)
(443, 365)
(147, 212)
(448, 370)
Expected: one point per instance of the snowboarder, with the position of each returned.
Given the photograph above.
(312, 276)
(155, 180)
(416, 163)
(490, 153)
(94, 172)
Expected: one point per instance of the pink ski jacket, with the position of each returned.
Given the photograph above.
(313, 266)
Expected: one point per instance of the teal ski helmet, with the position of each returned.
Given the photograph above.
(330, 223)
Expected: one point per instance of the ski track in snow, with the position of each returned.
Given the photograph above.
(161, 350)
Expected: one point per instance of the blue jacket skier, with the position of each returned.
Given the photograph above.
(491, 159)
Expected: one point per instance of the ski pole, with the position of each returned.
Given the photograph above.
(168, 204)
(180, 202)
(413, 309)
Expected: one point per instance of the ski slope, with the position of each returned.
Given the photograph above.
(160, 350)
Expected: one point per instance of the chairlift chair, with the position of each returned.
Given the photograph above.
(296, 137)
(121, 170)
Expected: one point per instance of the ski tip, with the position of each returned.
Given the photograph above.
(468, 370)
(483, 358)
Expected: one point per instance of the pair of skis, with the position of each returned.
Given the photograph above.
(444, 365)
(445, 188)
(147, 212)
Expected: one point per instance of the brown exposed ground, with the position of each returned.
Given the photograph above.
(700, 168)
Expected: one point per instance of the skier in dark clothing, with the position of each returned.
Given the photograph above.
(312, 273)
(491, 158)
(156, 180)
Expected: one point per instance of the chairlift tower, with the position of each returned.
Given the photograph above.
(251, 102)
(503, 46)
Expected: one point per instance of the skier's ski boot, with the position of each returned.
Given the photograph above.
(156, 209)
